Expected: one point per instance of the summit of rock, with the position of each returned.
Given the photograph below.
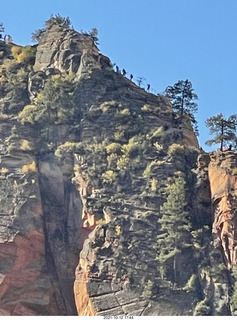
(68, 51)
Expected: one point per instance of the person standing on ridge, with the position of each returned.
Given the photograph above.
(131, 77)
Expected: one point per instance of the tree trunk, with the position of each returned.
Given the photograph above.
(222, 134)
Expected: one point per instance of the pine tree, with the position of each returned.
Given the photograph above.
(175, 225)
(93, 34)
(56, 19)
(182, 97)
(224, 129)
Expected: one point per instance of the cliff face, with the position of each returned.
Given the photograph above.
(87, 163)
(223, 183)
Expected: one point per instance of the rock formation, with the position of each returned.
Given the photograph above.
(223, 189)
(87, 161)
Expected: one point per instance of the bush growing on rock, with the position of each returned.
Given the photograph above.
(176, 148)
(23, 54)
(26, 145)
(157, 132)
(125, 112)
(68, 147)
(113, 147)
(16, 50)
(31, 167)
(123, 163)
(202, 308)
(54, 104)
(154, 183)
(109, 176)
(146, 108)
(28, 114)
(16, 94)
(147, 291)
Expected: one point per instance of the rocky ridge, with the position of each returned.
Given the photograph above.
(81, 197)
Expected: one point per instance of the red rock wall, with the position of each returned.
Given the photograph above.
(224, 191)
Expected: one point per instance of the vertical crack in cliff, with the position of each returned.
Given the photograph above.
(61, 253)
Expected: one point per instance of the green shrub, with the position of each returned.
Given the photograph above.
(123, 163)
(202, 308)
(125, 112)
(16, 50)
(54, 104)
(22, 54)
(26, 145)
(176, 148)
(28, 114)
(100, 222)
(148, 171)
(146, 108)
(191, 284)
(147, 291)
(154, 185)
(158, 132)
(113, 147)
(112, 159)
(68, 147)
(131, 147)
(118, 135)
(31, 167)
(109, 176)
(108, 105)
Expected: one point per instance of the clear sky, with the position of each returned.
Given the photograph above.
(161, 40)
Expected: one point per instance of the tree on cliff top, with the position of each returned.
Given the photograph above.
(93, 34)
(223, 129)
(182, 97)
(56, 19)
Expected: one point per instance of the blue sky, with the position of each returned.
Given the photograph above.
(161, 40)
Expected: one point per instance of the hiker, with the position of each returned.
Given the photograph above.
(131, 77)
(124, 72)
(117, 69)
(148, 88)
(8, 39)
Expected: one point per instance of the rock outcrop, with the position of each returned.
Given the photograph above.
(223, 182)
(68, 51)
(86, 165)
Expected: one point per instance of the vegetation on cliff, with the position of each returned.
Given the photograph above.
(224, 130)
(115, 180)
(182, 97)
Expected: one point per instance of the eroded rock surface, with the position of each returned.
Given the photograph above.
(68, 50)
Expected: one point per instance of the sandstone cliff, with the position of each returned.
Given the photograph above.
(87, 161)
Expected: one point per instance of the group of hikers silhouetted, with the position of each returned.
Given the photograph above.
(124, 73)
(6, 38)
